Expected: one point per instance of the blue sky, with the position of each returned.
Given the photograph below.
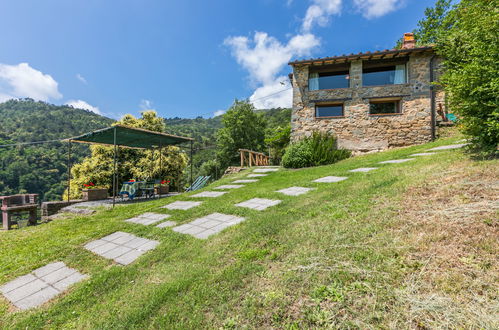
(181, 58)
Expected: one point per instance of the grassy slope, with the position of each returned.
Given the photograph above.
(344, 254)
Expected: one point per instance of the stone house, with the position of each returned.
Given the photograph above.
(370, 101)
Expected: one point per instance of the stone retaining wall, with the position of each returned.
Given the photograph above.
(51, 208)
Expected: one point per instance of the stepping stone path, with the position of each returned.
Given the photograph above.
(259, 204)
(331, 179)
(265, 170)
(41, 285)
(166, 224)
(210, 194)
(181, 205)
(121, 247)
(148, 218)
(364, 169)
(206, 226)
(423, 154)
(256, 175)
(396, 161)
(229, 186)
(448, 147)
(294, 191)
(245, 181)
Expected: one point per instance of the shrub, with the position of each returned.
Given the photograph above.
(319, 149)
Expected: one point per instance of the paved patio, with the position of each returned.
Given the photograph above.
(265, 170)
(259, 204)
(294, 191)
(204, 227)
(121, 247)
(229, 186)
(148, 218)
(331, 179)
(396, 161)
(210, 194)
(41, 285)
(253, 175)
(181, 205)
(363, 169)
(448, 147)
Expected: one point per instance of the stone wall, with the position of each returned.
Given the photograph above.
(51, 208)
(357, 129)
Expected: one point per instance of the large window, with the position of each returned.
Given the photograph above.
(384, 75)
(329, 110)
(385, 107)
(328, 80)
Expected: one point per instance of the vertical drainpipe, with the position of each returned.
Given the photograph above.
(432, 100)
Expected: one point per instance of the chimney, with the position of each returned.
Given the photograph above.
(408, 41)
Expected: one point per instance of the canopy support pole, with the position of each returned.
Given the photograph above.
(114, 170)
(69, 168)
(191, 164)
(160, 167)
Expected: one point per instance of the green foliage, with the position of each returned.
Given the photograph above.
(470, 49)
(211, 168)
(132, 163)
(278, 139)
(41, 168)
(318, 149)
(243, 129)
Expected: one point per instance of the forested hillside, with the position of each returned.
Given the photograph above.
(40, 168)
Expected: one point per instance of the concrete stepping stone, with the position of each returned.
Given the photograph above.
(121, 247)
(181, 205)
(209, 225)
(245, 181)
(294, 191)
(259, 204)
(448, 147)
(363, 169)
(229, 186)
(166, 224)
(331, 179)
(210, 194)
(423, 154)
(253, 175)
(148, 218)
(265, 170)
(396, 161)
(41, 285)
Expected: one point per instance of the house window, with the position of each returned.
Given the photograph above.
(384, 75)
(329, 110)
(384, 107)
(328, 80)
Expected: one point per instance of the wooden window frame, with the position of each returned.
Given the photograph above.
(396, 100)
(329, 105)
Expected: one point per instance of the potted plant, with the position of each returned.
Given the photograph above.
(163, 188)
(91, 192)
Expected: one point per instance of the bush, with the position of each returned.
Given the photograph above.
(319, 149)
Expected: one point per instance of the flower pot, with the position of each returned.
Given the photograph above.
(162, 190)
(94, 194)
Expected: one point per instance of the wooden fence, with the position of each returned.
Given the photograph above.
(253, 158)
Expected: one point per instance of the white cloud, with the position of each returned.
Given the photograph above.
(145, 105)
(218, 113)
(264, 57)
(79, 104)
(273, 95)
(21, 80)
(81, 78)
(377, 8)
(319, 13)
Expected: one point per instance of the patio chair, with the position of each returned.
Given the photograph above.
(199, 183)
(129, 189)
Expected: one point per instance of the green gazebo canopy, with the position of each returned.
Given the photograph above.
(130, 137)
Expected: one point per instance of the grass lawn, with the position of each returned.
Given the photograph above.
(411, 245)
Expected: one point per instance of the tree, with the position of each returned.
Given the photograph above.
(278, 139)
(470, 49)
(132, 163)
(243, 129)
